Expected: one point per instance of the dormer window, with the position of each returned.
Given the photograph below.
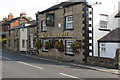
(49, 19)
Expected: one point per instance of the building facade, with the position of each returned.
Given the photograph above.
(11, 22)
(65, 23)
(18, 37)
(103, 20)
(109, 44)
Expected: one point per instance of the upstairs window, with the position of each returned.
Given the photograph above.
(43, 26)
(103, 21)
(103, 24)
(69, 22)
(49, 19)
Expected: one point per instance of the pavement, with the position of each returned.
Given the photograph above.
(19, 65)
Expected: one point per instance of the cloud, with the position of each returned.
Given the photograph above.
(30, 7)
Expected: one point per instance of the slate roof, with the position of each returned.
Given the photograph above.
(61, 5)
(31, 24)
(117, 15)
(113, 36)
(12, 20)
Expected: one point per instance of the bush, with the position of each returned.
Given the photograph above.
(4, 41)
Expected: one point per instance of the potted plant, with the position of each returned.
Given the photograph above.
(76, 45)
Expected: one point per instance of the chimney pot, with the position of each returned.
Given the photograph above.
(22, 14)
(10, 16)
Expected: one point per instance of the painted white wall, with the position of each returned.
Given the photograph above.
(23, 36)
(108, 7)
(111, 48)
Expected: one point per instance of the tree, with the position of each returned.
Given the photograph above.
(29, 18)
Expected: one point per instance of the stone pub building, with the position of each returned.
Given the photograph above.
(63, 27)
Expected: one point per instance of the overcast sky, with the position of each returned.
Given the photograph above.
(30, 7)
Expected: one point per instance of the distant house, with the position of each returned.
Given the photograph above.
(11, 22)
(109, 44)
(18, 37)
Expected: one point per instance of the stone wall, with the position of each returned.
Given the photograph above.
(105, 62)
(102, 62)
(60, 56)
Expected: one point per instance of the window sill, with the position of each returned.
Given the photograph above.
(69, 29)
(44, 51)
(43, 31)
(69, 54)
(104, 29)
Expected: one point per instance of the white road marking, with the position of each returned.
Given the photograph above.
(40, 58)
(68, 75)
(29, 65)
(7, 58)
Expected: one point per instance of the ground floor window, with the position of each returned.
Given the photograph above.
(9, 43)
(15, 43)
(23, 43)
(68, 47)
(103, 48)
(31, 41)
(43, 47)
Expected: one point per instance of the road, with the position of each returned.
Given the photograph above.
(16, 65)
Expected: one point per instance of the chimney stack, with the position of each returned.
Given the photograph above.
(10, 16)
(22, 14)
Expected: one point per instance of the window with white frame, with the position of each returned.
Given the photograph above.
(103, 48)
(68, 47)
(103, 24)
(103, 21)
(43, 47)
(43, 26)
(69, 22)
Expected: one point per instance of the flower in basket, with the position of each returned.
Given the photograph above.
(59, 45)
(76, 45)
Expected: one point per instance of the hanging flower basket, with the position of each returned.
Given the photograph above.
(59, 45)
(76, 46)
(48, 45)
